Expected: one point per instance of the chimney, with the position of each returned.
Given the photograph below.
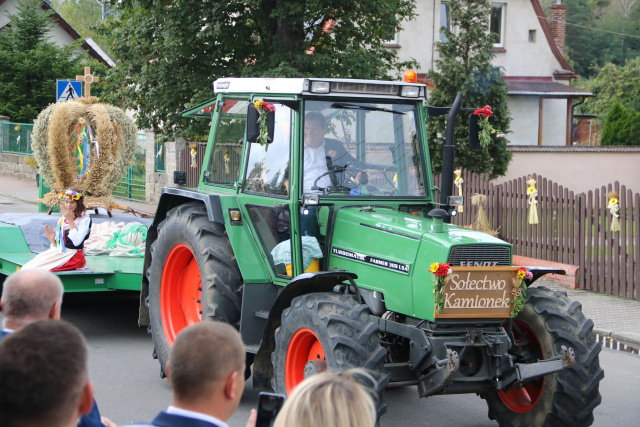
(558, 24)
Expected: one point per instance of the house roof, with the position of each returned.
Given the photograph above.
(547, 89)
(566, 73)
(93, 50)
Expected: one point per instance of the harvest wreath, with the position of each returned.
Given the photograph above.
(83, 144)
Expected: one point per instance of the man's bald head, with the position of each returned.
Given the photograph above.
(30, 295)
(202, 358)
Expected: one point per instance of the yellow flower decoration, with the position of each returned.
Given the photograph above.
(521, 274)
(531, 189)
(434, 267)
(72, 195)
(258, 103)
(17, 128)
(613, 201)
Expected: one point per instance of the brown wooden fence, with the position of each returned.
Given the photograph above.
(573, 228)
(193, 174)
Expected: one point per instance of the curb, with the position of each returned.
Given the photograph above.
(22, 199)
(632, 344)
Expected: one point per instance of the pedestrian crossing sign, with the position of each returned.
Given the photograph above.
(68, 90)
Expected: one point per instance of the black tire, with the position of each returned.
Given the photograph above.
(566, 398)
(218, 288)
(344, 328)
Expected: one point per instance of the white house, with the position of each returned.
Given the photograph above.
(61, 33)
(531, 52)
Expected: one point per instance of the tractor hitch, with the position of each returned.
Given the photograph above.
(440, 377)
(524, 372)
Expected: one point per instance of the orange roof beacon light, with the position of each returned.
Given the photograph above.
(410, 76)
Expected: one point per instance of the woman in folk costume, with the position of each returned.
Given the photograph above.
(67, 239)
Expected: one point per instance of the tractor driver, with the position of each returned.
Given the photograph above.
(321, 153)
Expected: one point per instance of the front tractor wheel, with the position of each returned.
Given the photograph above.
(193, 276)
(549, 321)
(327, 332)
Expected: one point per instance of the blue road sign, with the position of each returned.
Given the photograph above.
(68, 90)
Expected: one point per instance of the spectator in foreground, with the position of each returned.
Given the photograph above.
(28, 296)
(43, 376)
(206, 373)
(32, 295)
(330, 400)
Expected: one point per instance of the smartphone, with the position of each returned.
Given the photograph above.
(269, 404)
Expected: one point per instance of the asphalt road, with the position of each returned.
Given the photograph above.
(129, 388)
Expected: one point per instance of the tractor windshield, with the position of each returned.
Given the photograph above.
(362, 149)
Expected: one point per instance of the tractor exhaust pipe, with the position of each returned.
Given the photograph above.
(449, 154)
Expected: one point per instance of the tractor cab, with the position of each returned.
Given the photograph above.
(312, 147)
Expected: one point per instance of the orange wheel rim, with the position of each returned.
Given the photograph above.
(180, 292)
(523, 399)
(303, 347)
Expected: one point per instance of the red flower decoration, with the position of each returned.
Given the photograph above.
(443, 270)
(268, 107)
(484, 112)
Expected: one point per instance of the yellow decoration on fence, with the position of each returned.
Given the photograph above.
(532, 193)
(227, 160)
(194, 156)
(458, 182)
(614, 208)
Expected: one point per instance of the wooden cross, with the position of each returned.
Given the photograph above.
(87, 78)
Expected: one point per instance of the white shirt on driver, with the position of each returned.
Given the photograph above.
(315, 164)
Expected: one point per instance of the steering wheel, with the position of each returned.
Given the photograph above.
(340, 188)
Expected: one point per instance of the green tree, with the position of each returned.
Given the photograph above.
(464, 66)
(622, 126)
(30, 63)
(169, 52)
(613, 83)
(85, 16)
(601, 31)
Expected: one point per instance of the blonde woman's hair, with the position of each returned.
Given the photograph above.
(330, 400)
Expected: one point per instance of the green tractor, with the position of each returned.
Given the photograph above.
(313, 231)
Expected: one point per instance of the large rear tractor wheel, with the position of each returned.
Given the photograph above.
(567, 398)
(327, 331)
(193, 276)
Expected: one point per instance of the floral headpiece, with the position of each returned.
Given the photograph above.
(72, 195)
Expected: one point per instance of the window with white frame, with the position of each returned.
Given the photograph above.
(496, 22)
(445, 20)
(394, 40)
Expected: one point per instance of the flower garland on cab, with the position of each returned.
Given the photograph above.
(263, 108)
(519, 290)
(486, 129)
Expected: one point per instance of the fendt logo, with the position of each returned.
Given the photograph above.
(478, 263)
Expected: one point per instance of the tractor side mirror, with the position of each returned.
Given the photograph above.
(253, 124)
(474, 130)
